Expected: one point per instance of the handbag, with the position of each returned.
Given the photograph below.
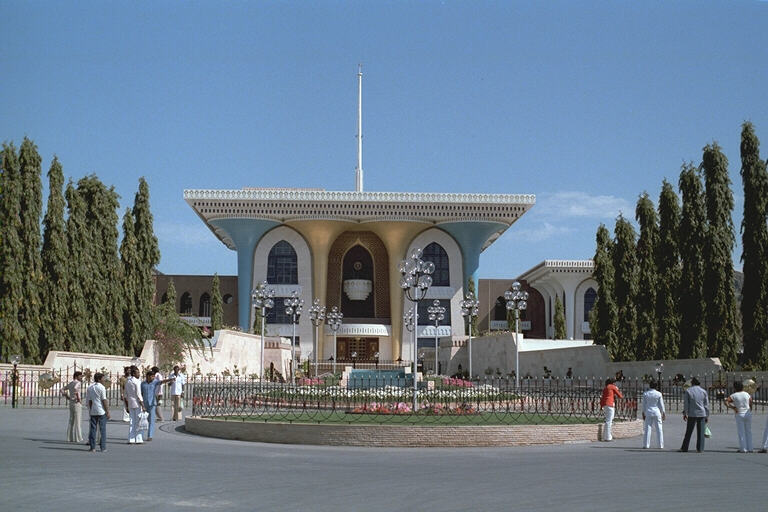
(143, 421)
(126, 416)
(707, 432)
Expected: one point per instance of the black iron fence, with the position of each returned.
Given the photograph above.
(379, 400)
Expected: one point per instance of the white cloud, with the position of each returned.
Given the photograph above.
(570, 204)
(178, 233)
(541, 232)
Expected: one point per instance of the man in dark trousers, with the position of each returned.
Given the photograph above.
(696, 413)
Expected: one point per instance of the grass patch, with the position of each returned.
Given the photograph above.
(340, 417)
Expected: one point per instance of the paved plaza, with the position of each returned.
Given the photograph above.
(180, 471)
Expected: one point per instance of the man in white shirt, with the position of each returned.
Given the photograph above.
(177, 391)
(98, 408)
(158, 393)
(134, 404)
(653, 415)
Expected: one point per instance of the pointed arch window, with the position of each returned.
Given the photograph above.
(590, 296)
(205, 305)
(282, 264)
(435, 253)
(186, 304)
(500, 309)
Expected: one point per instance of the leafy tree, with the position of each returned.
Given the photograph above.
(12, 332)
(754, 232)
(560, 332)
(625, 267)
(132, 339)
(30, 210)
(604, 317)
(173, 335)
(720, 316)
(669, 268)
(148, 257)
(55, 306)
(79, 272)
(647, 278)
(217, 314)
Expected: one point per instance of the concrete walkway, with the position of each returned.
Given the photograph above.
(180, 471)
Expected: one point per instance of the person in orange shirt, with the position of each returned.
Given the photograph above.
(607, 402)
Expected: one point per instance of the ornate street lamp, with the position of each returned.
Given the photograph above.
(469, 311)
(376, 359)
(333, 319)
(517, 301)
(317, 316)
(415, 281)
(293, 307)
(15, 360)
(436, 314)
(354, 359)
(659, 371)
(263, 298)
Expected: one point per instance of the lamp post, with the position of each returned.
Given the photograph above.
(659, 371)
(293, 307)
(333, 319)
(376, 359)
(436, 314)
(415, 281)
(469, 311)
(354, 359)
(15, 360)
(317, 316)
(517, 301)
(262, 299)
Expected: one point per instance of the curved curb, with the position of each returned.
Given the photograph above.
(406, 436)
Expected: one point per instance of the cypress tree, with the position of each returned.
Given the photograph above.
(625, 267)
(693, 233)
(104, 302)
(668, 263)
(720, 315)
(560, 331)
(647, 278)
(148, 256)
(79, 271)
(754, 256)
(604, 317)
(12, 332)
(31, 207)
(217, 314)
(132, 339)
(54, 256)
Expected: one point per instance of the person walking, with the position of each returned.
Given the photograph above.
(177, 391)
(158, 393)
(72, 393)
(653, 415)
(148, 391)
(741, 403)
(608, 403)
(98, 409)
(134, 404)
(695, 413)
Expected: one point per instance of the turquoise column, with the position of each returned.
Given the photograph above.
(245, 233)
(471, 236)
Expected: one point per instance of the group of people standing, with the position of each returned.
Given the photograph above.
(138, 397)
(695, 414)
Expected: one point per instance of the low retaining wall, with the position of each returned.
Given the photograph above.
(406, 435)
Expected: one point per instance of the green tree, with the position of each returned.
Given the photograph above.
(217, 314)
(720, 316)
(625, 267)
(560, 332)
(132, 339)
(668, 263)
(79, 272)
(148, 258)
(693, 233)
(31, 207)
(754, 256)
(55, 306)
(12, 332)
(173, 335)
(647, 278)
(604, 317)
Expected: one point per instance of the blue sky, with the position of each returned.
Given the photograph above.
(585, 104)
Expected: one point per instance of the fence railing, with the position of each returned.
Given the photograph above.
(439, 400)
